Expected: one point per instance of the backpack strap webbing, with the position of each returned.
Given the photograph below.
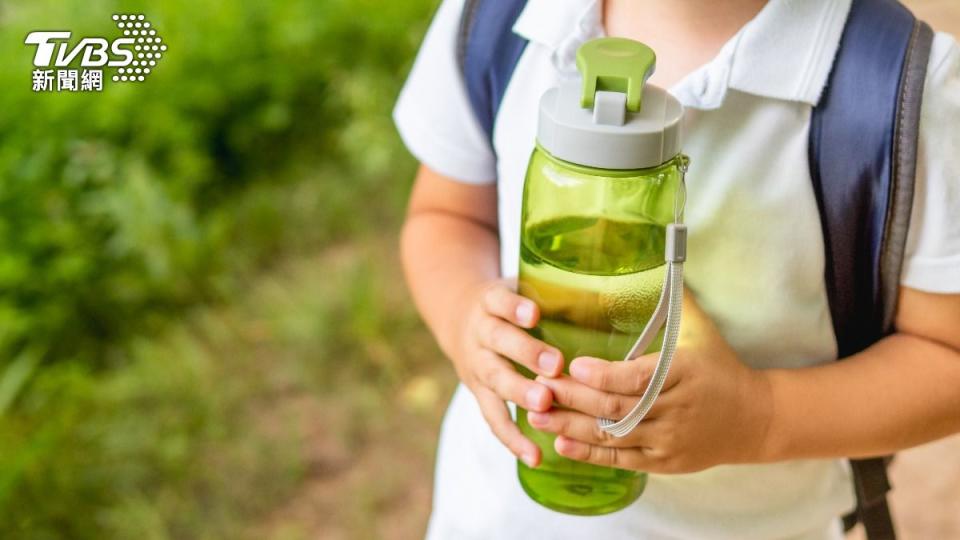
(488, 52)
(863, 153)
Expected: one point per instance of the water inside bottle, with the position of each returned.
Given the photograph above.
(597, 282)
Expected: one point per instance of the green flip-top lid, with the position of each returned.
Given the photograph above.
(610, 118)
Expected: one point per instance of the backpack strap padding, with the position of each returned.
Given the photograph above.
(904, 168)
(851, 163)
(863, 143)
(871, 474)
(488, 51)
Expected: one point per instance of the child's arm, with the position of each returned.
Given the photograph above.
(450, 252)
(903, 391)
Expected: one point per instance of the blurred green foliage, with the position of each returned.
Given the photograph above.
(119, 209)
(216, 424)
(263, 134)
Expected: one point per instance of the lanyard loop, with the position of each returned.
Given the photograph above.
(667, 314)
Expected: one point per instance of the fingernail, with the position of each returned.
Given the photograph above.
(580, 369)
(549, 361)
(537, 418)
(525, 313)
(536, 397)
(530, 459)
(560, 444)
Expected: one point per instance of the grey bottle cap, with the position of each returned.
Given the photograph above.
(608, 136)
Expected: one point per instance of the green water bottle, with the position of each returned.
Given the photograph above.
(601, 190)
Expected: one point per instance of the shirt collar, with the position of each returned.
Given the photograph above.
(785, 52)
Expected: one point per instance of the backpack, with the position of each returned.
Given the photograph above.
(862, 157)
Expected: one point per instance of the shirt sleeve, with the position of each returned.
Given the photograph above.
(932, 260)
(433, 113)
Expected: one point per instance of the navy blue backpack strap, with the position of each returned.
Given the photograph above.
(857, 131)
(488, 52)
(863, 144)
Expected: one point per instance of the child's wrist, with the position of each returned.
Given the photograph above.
(777, 440)
(761, 447)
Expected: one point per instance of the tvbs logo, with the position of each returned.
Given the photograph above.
(134, 55)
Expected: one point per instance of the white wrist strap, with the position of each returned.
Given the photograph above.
(667, 312)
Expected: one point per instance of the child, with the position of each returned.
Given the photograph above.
(748, 439)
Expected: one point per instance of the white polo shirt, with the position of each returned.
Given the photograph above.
(756, 253)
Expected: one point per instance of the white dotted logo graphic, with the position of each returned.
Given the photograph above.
(149, 47)
(58, 55)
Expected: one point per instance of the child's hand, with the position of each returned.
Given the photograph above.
(490, 336)
(713, 410)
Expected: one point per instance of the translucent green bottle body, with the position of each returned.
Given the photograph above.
(592, 257)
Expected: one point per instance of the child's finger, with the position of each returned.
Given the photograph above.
(511, 342)
(620, 458)
(499, 376)
(584, 428)
(630, 378)
(578, 396)
(497, 415)
(500, 301)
